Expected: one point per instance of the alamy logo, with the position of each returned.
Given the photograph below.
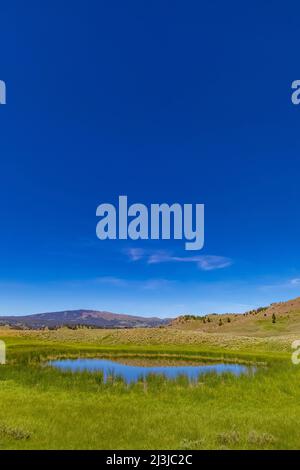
(159, 221)
(2, 92)
(2, 352)
(296, 93)
(296, 353)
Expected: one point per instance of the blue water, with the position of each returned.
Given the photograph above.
(133, 373)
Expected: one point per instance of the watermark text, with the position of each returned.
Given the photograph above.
(2, 353)
(296, 354)
(2, 92)
(158, 221)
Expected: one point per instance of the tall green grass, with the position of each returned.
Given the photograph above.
(45, 408)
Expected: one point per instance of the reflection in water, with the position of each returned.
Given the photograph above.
(133, 370)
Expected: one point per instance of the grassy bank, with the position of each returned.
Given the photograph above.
(43, 408)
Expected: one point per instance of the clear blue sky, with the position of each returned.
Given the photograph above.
(164, 102)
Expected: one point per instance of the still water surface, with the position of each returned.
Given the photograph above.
(132, 371)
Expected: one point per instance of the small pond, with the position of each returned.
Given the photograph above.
(133, 369)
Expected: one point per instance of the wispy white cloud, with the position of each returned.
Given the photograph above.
(204, 262)
(135, 254)
(112, 281)
(154, 284)
(147, 284)
(283, 284)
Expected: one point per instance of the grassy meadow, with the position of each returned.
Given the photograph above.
(44, 408)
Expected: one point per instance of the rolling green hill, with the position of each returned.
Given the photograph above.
(282, 318)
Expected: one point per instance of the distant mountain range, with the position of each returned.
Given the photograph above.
(277, 318)
(74, 318)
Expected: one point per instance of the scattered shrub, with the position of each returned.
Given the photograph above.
(260, 439)
(187, 444)
(13, 433)
(229, 437)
